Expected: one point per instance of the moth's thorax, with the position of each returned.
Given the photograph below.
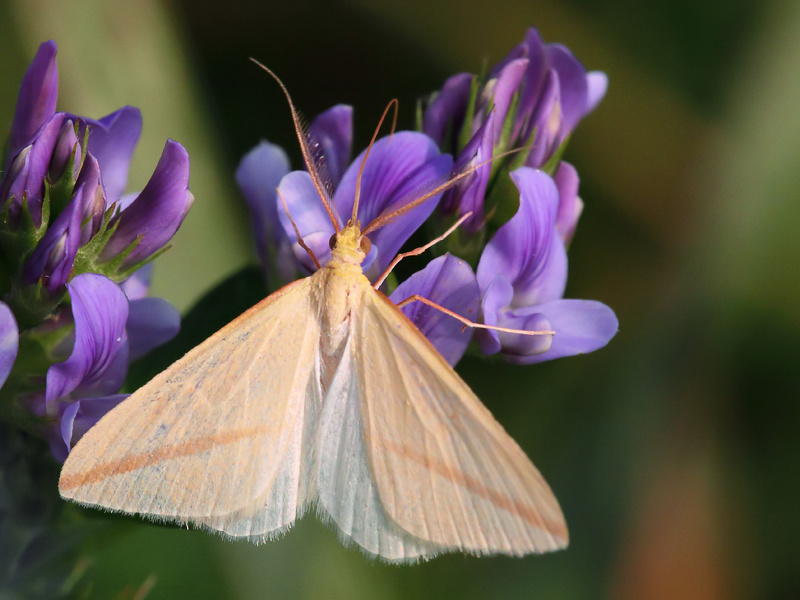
(343, 287)
(347, 248)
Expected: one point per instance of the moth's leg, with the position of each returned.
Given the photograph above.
(467, 322)
(300, 241)
(417, 251)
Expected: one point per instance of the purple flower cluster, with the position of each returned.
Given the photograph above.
(68, 230)
(531, 102)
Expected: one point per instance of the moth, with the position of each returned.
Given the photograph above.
(324, 394)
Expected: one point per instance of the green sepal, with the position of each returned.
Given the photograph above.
(504, 201)
(87, 259)
(391, 283)
(420, 112)
(34, 356)
(123, 274)
(32, 304)
(521, 157)
(466, 246)
(19, 243)
(465, 135)
(552, 163)
(504, 143)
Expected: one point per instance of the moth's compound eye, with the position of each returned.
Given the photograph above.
(365, 245)
(332, 241)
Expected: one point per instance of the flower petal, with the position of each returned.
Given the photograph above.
(546, 122)
(93, 202)
(112, 140)
(572, 81)
(523, 346)
(449, 282)
(533, 80)
(137, 285)
(445, 114)
(333, 131)
(151, 322)
(37, 97)
(570, 206)
(99, 357)
(580, 326)
(258, 175)
(158, 211)
(468, 196)
(397, 169)
(9, 341)
(76, 419)
(527, 249)
(501, 92)
(54, 255)
(597, 83)
(29, 167)
(308, 213)
(67, 148)
(497, 296)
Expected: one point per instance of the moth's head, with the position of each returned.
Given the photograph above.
(349, 245)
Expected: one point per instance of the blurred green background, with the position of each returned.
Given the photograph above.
(674, 451)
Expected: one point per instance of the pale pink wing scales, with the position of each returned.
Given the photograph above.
(444, 468)
(345, 485)
(208, 436)
(274, 512)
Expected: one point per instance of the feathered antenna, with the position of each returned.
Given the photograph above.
(308, 156)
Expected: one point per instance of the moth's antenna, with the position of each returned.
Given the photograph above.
(394, 103)
(300, 241)
(388, 215)
(304, 148)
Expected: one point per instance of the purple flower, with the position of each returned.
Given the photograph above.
(555, 93)
(522, 274)
(530, 102)
(37, 97)
(151, 321)
(27, 172)
(570, 206)
(72, 231)
(446, 111)
(9, 342)
(260, 172)
(52, 259)
(73, 170)
(448, 281)
(83, 387)
(153, 217)
(113, 325)
(112, 141)
(397, 168)
(534, 97)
